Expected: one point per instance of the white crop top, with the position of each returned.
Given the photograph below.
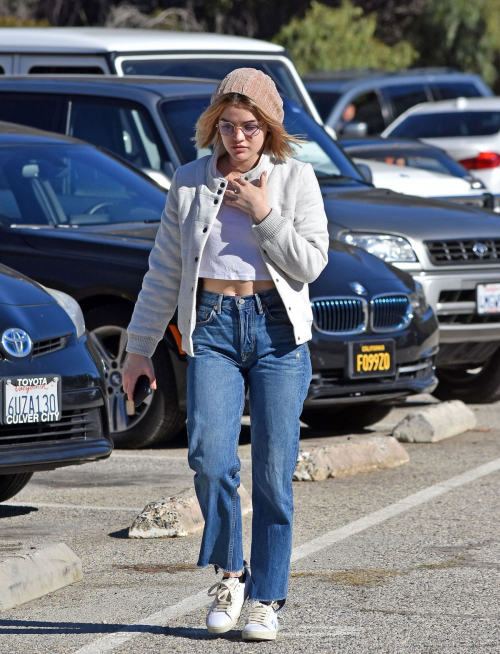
(231, 251)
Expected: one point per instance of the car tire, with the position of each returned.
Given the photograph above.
(158, 419)
(345, 417)
(11, 485)
(482, 387)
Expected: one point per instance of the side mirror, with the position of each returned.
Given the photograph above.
(159, 177)
(365, 171)
(354, 129)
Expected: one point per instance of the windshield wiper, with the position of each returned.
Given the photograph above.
(325, 178)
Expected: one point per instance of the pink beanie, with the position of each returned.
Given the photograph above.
(257, 86)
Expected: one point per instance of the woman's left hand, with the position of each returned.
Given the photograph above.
(249, 198)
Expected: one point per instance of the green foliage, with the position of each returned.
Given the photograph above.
(12, 21)
(461, 33)
(328, 38)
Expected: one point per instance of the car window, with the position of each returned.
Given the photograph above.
(125, 129)
(180, 116)
(39, 110)
(211, 68)
(451, 90)
(367, 109)
(324, 102)
(71, 185)
(403, 97)
(433, 160)
(449, 124)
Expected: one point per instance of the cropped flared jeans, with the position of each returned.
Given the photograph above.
(246, 343)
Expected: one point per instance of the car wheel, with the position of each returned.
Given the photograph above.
(158, 419)
(11, 485)
(478, 386)
(345, 417)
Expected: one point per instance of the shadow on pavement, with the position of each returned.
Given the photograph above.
(14, 511)
(36, 627)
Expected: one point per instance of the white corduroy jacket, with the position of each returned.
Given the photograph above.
(293, 240)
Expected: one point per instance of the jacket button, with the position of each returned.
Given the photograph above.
(219, 192)
(222, 185)
(277, 279)
(216, 201)
(196, 258)
(204, 229)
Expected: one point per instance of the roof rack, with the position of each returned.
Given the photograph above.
(360, 73)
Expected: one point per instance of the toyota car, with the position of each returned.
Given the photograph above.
(53, 404)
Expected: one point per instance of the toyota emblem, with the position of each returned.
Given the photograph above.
(17, 342)
(480, 250)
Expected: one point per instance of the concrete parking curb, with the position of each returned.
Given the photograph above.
(35, 572)
(435, 423)
(176, 516)
(350, 456)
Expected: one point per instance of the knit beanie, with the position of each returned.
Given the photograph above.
(257, 86)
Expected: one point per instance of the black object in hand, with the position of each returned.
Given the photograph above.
(142, 389)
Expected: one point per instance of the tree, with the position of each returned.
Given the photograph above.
(328, 38)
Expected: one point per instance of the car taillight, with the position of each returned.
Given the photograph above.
(483, 160)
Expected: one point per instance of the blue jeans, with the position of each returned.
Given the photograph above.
(245, 343)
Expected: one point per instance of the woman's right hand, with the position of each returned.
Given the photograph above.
(135, 366)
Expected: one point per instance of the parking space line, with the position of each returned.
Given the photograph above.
(90, 507)
(190, 604)
(159, 457)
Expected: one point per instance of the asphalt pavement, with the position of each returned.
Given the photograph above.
(399, 561)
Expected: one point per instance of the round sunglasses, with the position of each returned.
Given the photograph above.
(228, 129)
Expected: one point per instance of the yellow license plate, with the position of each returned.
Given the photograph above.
(372, 359)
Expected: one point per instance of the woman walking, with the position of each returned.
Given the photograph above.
(243, 233)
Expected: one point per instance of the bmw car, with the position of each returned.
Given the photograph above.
(53, 402)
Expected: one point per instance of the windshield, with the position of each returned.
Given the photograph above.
(212, 68)
(321, 151)
(449, 124)
(433, 161)
(70, 185)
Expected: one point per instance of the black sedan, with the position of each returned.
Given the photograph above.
(79, 220)
(53, 405)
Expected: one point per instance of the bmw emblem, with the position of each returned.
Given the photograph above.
(480, 249)
(358, 288)
(17, 342)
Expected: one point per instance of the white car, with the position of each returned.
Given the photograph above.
(427, 184)
(467, 128)
(102, 50)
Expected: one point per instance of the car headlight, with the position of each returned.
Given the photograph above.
(418, 301)
(71, 307)
(384, 246)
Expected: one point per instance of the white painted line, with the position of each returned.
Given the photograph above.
(159, 457)
(89, 507)
(190, 604)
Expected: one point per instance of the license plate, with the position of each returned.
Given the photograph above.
(488, 298)
(31, 400)
(372, 359)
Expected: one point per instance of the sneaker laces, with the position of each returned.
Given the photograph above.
(259, 612)
(222, 591)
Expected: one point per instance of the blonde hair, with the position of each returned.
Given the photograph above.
(278, 141)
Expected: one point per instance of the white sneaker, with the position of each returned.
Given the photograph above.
(230, 595)
(262, 623)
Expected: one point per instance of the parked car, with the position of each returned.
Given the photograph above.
(79, 220)
(468, 129)
(53, 404)
(123, 52)
(360, 103)
(401, 229)
(415, 154)
(427, 184)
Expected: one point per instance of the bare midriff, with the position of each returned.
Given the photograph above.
(236, 287)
